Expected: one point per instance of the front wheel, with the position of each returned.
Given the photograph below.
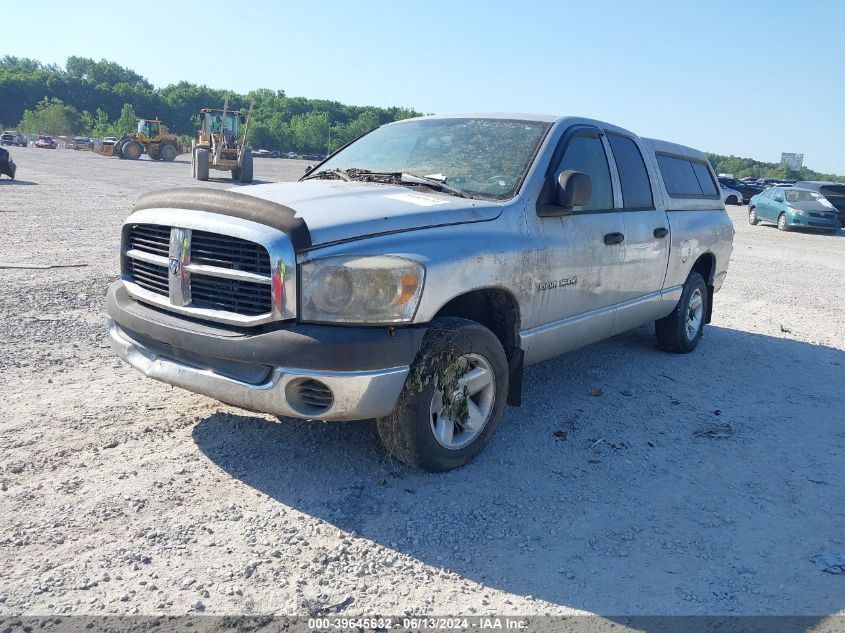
(681, 331)
(201, 164)
(783, 225)
(245, 167)
(167, 152)
(453, 399)
(753, 220)
(132, 150)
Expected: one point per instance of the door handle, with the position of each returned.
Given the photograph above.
(614, 238)
(661, 232)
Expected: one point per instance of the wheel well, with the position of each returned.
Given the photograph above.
(706, 267)
(498, 311)
(495, 309)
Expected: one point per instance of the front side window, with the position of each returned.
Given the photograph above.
(585, 153)
(487, 158)
(633, 177)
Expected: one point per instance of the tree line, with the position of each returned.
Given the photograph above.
(102, 98)
(748, 167)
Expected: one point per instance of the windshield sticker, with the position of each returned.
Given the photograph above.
(417, 199)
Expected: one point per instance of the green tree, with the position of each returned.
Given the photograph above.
(51, 116)
(310, 131)
(126, 122)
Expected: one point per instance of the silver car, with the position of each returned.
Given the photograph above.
(413, 275)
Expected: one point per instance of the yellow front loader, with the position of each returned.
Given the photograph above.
(149, 139)
(220, 145)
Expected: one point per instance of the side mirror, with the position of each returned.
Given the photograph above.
(574, 189)
(202, 116)
(308, 169)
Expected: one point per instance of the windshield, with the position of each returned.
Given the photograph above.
(481, 157)
(800, 195)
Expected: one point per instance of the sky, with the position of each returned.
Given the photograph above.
(752, 79)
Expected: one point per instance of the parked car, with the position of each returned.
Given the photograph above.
(7, 165)
(832, 192)
(80, 142)
(413, 287)
(110, 140)
(291, 154)
(46, 142)
(730, 196)
(747, 190)
(12, 137)
(790, 207)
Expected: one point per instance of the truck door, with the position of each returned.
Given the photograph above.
(580, 266)
(646, 237)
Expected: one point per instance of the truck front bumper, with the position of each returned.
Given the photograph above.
(259, 372)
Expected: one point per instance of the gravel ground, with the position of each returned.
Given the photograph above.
(699, 484)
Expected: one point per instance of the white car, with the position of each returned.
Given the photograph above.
(291, 154)
(730, 196)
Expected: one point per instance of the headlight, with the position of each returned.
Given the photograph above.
(798, 211)
(356, 289)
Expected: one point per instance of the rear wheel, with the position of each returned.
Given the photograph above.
(453, 399)
(245, 167)
(681, 331)
(132, 150)
(783, 225)
(201, 164)
(753, 220)
(731, 200)
(167, 152)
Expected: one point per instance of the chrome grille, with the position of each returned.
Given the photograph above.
(149, 276)
(189, 270)
(150, 238)
(213, 249)
(234, 295)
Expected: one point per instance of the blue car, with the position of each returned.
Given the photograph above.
(791, 207)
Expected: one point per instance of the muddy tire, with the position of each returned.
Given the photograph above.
(681, 331)
(167, 152)
(201, 164)
(132, 150)
(424, 430)
(245, 166)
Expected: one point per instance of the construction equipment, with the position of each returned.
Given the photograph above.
(149, 138)
(220, 145)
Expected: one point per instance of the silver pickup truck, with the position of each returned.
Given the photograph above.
(415, 273)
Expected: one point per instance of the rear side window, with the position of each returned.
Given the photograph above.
(636, 188)
(686, 178)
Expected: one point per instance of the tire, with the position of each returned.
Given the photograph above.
(245, 167)
(167, 152)
(753, 220)
(731, 200)
(201, 164)
(131, 150)
(418, 431)
(236, 173)
(681, 331)
(783, 225)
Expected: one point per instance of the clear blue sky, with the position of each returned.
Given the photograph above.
(746, 78)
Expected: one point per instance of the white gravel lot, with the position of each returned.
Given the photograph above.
(122, 495)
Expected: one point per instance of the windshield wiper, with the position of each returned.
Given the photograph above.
(338, 172)
(413, 179)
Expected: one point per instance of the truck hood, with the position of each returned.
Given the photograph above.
(336, 211)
